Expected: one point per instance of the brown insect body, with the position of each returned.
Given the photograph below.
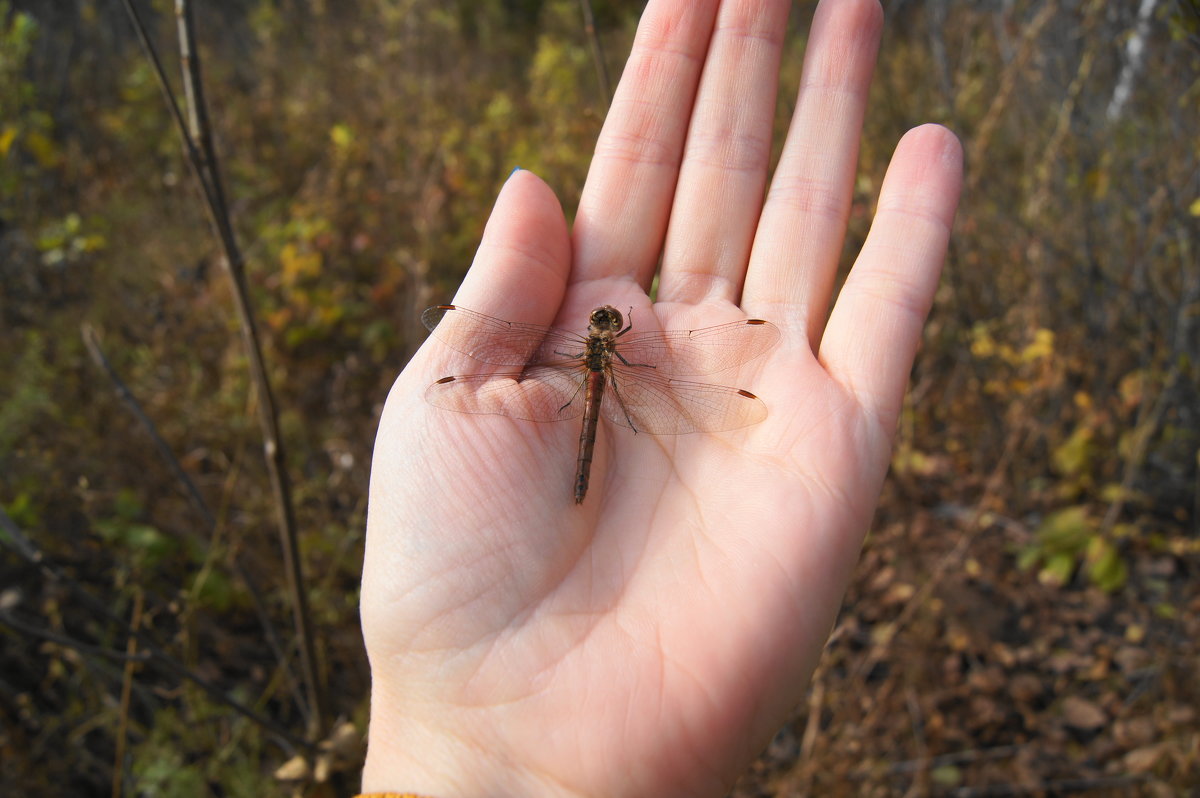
(604, 327)
(564, 375)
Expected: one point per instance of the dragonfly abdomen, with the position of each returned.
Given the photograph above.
(587, 436)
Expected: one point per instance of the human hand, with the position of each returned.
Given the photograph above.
(650, 641)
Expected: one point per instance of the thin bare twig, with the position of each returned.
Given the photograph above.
(268, 417)
(589, 27)
(956, 758)
(92, 343)
(1049, 787)
(197, 109)
(12, 621)
(126, 692)
(205, 169)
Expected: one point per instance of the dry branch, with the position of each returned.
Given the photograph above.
(201, 157)
(126, 692)
(206, 169)
(589, 27)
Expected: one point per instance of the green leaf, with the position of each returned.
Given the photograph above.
(1074, 456)
(946, 776)
(1066, 531)
(1058, 570)
(1106, 566)
(216, 591)
(1029, 557)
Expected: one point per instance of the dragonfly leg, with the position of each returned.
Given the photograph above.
(627, 363)
(621, 401)
(629, 326)
(571, 401)
(617, 352)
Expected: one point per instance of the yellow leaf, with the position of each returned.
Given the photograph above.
(342, 136)
(1194, 208)
(1073, 456)
(501, 110)
(1041, 347)
(1116, 492)
(296, 265)
(982, 343)
(7, 137)
(42, 148)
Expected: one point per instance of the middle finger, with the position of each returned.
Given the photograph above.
(724, 170)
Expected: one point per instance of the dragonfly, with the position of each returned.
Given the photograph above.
(563, 375)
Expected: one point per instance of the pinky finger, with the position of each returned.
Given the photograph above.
(875, 327)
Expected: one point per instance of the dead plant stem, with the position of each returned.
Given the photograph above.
(126, 692)
(206, 170)
(589, 28)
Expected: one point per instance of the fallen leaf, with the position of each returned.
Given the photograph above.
(1143, 760)
(295, 769)
(1079, 713)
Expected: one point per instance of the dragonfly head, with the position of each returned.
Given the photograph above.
(605, 319)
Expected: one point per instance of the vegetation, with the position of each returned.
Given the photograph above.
(1026, 615)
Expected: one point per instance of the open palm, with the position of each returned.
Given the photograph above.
(649, 641)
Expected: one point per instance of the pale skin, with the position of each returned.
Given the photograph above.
(651, 640)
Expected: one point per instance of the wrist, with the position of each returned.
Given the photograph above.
(406, 753)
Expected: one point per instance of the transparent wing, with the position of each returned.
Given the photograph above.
(704, 351)
(663, 406)
(506, 343)
(539, 393)
(640, 395)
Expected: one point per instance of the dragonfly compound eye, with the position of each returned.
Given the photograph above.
(607, 317)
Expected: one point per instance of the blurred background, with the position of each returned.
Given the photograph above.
(1026, 616)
